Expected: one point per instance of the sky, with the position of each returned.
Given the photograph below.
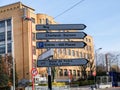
(102, 18)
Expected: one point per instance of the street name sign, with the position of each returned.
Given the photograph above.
(60, 35)
(60, 27)
(46, 54)
(58, 44)
(62, 62)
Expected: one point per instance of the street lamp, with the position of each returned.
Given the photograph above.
(96, 54)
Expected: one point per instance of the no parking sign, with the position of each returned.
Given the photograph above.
(34, 71)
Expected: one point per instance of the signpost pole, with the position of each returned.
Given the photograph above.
(49, 68)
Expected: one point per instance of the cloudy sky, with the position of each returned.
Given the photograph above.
(102, 17)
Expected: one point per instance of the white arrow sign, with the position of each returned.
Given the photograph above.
(60, 27)
(46, 54)
(62, 62)
(60, 35)
(66, 44)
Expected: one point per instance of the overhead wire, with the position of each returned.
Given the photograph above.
(69, 8)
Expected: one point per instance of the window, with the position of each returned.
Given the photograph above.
(77, 53)
(74, 72)
(34, 63)
(81, 54)
(65, 72)
(2, 49)
(64, 51)
(73, 53)
(78, 72)
(9, 22)
(40, 21)
(9, 35)
(2, 23)
(34, 50)
(2, 36)
(33, 19)
(87, 48)
(70, 72)
(33, 36)
(89, 40)
(9, 47)
(61, 72)
(69, 52)
(58, 51)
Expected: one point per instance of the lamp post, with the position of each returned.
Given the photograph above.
(117, 62)
(96, 56)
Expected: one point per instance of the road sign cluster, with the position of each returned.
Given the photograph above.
(60, 44)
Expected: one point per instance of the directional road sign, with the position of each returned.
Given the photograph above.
(65, 44)
(62, 62)
(60, 35)
(60, 27)
(46, 54)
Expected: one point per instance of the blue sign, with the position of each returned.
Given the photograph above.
(40, 44)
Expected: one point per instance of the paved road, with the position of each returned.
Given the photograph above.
(112, 88)
(73, 88)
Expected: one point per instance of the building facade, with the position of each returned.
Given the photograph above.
(18, 38)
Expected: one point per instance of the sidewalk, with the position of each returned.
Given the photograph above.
(111, 88)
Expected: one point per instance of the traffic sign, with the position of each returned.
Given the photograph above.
(34, 71)
(60, 35)
(62, 62)
(60, 27)
(94, 73)
(46, 54)
(65, 44)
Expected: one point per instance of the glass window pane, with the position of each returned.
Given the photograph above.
(2, 49)
(2, 36)
(9, 47)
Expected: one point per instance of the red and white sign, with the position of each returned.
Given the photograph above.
(34, 71)
(94, 73)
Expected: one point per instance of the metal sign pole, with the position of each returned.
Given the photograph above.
(49, 68)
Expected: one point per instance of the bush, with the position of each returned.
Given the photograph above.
(86, 82)
(58, 84)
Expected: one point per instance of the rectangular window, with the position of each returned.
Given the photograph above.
(58, 51)
(33, 36)
(9, 47)
(69, 52)
(77, 53)
(2, 49)
(73, 53)
(34, 63)
(9, 22)
(80, 54)
(61, 72)
(34, 50)
(74, 72)
(64, 51)
(65, 72)
(70, 72)
(33, 19)
(2, 36)
(78, 72)
(9, 35)
(40, 21)
(2, 23)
